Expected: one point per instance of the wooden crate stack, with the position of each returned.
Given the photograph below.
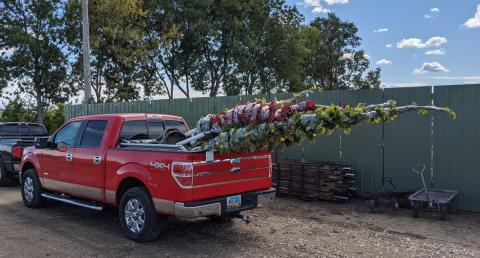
(309, 180)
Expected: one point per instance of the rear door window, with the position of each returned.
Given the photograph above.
(155, 130)
(93, 133)
(134, 130)
(9, 130)
(171, 125)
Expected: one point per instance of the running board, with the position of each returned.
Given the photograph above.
(71, 201)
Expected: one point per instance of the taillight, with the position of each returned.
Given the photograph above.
(182, 172)
(17, 151)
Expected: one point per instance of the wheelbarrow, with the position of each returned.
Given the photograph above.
(387, 198)
(436, 200)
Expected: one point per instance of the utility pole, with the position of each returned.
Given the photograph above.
(86, 53)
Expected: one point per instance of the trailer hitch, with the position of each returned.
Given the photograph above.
(244, 218)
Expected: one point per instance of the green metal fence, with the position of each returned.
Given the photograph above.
(449, 148)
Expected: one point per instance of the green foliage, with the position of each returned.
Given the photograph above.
(335, 62)
(54, 118)
(16, 111)
(306, 124)
(118, 48)
(37, 64)
(142, 48)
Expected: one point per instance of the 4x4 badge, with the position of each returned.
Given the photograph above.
(158, 165)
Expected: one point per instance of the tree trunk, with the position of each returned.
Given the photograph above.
(39, 107)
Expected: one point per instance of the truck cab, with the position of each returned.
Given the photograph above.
(127, 160)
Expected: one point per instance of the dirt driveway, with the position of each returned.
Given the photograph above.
(289, 228)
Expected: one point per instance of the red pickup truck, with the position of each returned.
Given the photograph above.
(123, 160)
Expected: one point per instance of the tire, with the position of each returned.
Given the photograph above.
(5, 178)
(443, 212)
(416, 211)
(32, 190)
(132, 203)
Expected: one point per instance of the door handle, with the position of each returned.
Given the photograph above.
(69, 157)
(97, 160)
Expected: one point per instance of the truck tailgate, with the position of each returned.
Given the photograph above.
(226, 174)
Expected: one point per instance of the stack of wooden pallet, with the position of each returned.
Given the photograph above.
(308, 180)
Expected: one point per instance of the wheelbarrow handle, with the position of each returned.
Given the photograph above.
(419, 168)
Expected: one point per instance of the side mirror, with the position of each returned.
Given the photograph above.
(41, 143)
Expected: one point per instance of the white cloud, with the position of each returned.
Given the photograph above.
(435, 10)
(433, 67)
(428, 16)
(435, 52)
(381, 30)
(311, 3)
(316, 5)
(384, 62)
(436, 41)
(474, 22)
(321, 10)
(367, 56)
(418, 43)
(389, 45)
(332, 2)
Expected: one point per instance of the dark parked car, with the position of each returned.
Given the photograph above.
(14, 137)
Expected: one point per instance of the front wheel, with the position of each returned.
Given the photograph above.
(32, 190)
(138, 217)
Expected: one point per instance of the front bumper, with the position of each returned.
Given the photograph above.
(218, 206)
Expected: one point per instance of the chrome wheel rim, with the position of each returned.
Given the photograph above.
(28, 189)
(134, 215)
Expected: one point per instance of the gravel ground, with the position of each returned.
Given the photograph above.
(288, 228)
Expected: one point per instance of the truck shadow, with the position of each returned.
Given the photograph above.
(100, 231)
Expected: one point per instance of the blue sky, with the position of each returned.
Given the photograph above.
(447, 30)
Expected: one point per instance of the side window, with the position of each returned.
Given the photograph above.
(66, 136)
(169, 125)
(93, 134)
(155, 130)
(9, 130)
(134, 130)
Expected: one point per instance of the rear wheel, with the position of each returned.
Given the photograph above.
(32, 190)
(5, 178)
(138, 217)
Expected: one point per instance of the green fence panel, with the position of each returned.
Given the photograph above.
(181, 107)
(456, 144)
(200, 107)
(407, 140)
(326, 148)
(362, 148)
(227, 102)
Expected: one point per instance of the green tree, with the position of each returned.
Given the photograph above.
(37, 65)
(118, 48)
(54, 118)
(174, 28)
(17, 111)
(271, 53)
(335, 61)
